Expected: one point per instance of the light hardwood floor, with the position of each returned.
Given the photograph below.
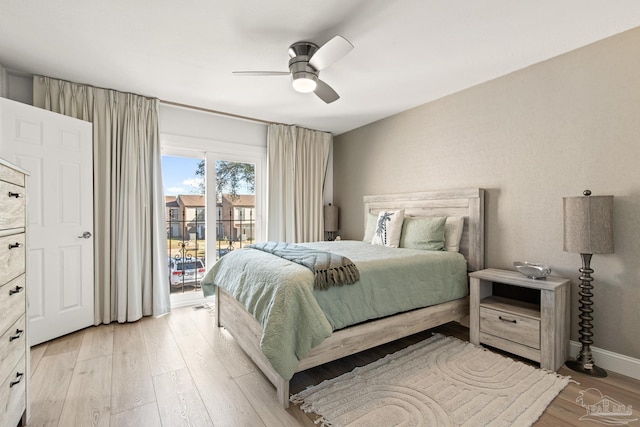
(180, 370)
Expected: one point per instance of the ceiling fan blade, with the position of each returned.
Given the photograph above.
(326, 92)
(261, 73)
(330, 52)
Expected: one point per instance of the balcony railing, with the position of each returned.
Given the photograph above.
(186, 246)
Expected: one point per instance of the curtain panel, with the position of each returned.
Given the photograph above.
(131, 271)
(297, 166)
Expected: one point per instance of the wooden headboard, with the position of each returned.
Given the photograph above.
(467, 202)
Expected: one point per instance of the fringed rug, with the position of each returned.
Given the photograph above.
(441, 381)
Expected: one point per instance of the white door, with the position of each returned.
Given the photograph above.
(57, 152)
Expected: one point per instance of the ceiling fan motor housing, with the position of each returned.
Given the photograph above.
(307, 49)
(301, 53)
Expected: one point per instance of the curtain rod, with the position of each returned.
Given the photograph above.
(220, 113)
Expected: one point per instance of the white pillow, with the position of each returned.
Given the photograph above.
(370, 227)
(453, 233)
(388, 228)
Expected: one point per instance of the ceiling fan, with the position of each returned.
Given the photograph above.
(307, 59)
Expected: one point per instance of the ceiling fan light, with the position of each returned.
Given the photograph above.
(305, 84)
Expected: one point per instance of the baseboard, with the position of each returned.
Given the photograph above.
(611, 361)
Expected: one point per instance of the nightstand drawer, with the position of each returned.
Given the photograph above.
(12, 257)
(12, 395)
(510, 326)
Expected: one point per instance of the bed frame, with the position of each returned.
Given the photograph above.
(465, 202)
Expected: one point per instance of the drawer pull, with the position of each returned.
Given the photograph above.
(507, 320)
(16, 195)
(19, 376)
(18, 334)
(15, 245)
(17, 290)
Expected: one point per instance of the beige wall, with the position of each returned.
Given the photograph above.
(529, 138)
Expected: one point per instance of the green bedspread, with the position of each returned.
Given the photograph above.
(329, 268)
(295, 317)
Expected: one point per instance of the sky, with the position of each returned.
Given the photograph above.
(179, 175)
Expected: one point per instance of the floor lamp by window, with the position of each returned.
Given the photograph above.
(587, 231)
(331, 220)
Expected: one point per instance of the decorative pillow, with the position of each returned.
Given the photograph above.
(388, 228)
(423, 233)
(370, 227)
(453, 233)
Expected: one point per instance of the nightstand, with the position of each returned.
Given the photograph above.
(538, 330)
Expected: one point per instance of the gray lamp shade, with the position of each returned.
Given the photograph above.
(588, 224)
(331, 218)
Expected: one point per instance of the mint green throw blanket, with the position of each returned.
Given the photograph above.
(295, 317)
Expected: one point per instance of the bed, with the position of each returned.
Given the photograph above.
(248, 332)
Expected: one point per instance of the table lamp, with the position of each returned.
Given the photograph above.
(331, 220)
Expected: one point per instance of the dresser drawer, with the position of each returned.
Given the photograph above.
(12, 346)
(11, 260)
(12, 302)
(509, 326)
(12, 202)
(11, 175)
(12, 394)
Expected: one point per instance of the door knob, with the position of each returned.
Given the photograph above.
(85, 235)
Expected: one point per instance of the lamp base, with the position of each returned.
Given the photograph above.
(586, 368)
(584, 360)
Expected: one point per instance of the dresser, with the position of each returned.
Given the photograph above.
(14, 357)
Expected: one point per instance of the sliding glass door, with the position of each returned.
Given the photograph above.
(238, 185)
(235, 205)
(185, 208)
(214, 206)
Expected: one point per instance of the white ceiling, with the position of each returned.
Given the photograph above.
(407, 52)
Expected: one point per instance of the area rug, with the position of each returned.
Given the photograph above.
(441, 381)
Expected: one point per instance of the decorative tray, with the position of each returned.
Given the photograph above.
(532, 270)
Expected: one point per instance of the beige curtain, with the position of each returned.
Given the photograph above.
(131, 273)
(297, 165)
